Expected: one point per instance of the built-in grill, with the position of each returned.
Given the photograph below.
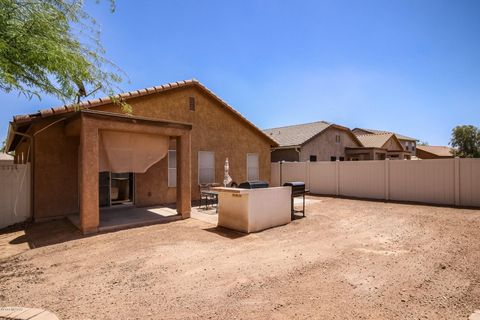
(298, 190)
(253, 184)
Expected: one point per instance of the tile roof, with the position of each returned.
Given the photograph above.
(399, 136)
(374, 140)
(132, 94)
(296, 135)
(441, 151)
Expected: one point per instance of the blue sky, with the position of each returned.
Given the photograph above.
(408, 66)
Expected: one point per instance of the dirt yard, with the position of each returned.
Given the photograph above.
(348, 259)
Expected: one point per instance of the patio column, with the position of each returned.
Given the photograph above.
(89, 203)
(184, 192)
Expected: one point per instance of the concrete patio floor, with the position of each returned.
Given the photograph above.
(128, 216)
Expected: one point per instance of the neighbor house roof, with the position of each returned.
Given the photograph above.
(441, 151)
(297, 135)
(375, 140)
(374, 131)
(44, 113)
(5, 157)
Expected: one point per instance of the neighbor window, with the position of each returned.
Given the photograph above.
(252, 167)
(333, 158)
(313, 158)
(337, 138)
(342, 159)
(172, 168)
(206, 167)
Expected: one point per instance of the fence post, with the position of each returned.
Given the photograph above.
(307, 173)
(457, 181)
(337, 177)
(387, 179)
(281, 172)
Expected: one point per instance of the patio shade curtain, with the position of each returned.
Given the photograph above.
(130, 152)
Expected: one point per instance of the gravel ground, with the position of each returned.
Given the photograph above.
(348, 259)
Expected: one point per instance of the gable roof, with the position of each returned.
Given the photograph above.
(5, 157)
(377, 140)
(374, 131)
(44, 113)
(441, 151)
(297, 135)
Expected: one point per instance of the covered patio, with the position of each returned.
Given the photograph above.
(101, 148)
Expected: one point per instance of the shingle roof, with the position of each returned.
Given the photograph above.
(296, 135)
(5, 157)
(132, 94)
(374, 140)
(399, 136)
(441, 151)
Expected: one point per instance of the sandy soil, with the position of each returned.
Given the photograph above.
(348, 259)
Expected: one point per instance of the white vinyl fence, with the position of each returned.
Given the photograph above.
(14, 193)
(439, 181)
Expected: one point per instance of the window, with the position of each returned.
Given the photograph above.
(333, 158)
(337, 138)
(252, 167)
(342, 159)
(313, 158)
(172, 168)
(206, 167)
(191, 103)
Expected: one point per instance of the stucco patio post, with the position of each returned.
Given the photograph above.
(183, 175)
(89, 203)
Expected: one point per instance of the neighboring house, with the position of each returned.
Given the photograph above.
(5, 158)
(434, 152)
(316, 141)
(409, 144)
(177, 137)
(378, 147)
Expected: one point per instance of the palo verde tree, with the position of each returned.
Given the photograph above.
(53, 47)
(466, 141)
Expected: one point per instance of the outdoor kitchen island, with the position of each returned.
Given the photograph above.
(252, 210)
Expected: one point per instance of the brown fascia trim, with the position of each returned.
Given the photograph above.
(365, 148)
(286, 147)
(112, 116)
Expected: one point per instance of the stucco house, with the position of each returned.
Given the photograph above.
(325, 141)
(176, 138)
(378, 147)
(409, 144)
(316, 141)
(434, 152)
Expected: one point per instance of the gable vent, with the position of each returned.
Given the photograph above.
(191, 103)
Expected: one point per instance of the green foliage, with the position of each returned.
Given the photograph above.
(466, 141)
(3, 146)
(53, 47)
(423, 143)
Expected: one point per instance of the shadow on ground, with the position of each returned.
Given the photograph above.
(48, 233)
(226, 233)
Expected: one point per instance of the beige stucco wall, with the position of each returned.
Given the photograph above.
(214, 128)
(324, 145)
(392, 144)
